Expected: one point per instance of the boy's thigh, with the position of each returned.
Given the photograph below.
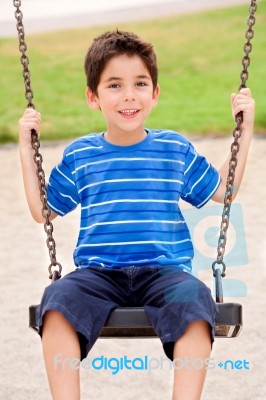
(88, 283)
(85, 297)
(174, 300)
(173, 285)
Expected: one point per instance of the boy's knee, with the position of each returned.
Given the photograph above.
(54, 318)
(53, 314)
(199, 325)
(198, 330)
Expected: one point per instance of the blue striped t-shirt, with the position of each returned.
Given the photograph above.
(129, 198)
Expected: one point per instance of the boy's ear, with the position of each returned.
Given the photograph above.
(92, 99)
(156, 94)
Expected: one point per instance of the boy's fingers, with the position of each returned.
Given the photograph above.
(233, 95)
(27, 126)
(245, 91)
(31, 111)
(31, 119)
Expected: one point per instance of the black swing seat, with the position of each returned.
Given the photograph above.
(132, 322)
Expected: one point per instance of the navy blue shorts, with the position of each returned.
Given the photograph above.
(171, 298)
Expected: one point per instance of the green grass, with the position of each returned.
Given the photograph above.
(199, 57)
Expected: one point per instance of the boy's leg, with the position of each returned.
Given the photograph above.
(182, 310)
(194, 344)
(61, 351)
(79, 302)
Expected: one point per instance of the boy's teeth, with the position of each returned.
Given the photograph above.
(128, 112)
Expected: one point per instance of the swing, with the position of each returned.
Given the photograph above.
(132, 321)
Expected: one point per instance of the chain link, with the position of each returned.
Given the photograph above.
(55, 267)
(234, 148)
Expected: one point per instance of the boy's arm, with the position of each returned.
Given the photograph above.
(245, 103)
(31, 119)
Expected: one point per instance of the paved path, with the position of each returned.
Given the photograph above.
(48, 15)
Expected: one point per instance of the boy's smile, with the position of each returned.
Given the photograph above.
(128, 114)
(126, 96)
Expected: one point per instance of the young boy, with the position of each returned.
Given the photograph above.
(134, 247)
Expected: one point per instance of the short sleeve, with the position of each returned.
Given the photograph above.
(61, 189)
(201, 179)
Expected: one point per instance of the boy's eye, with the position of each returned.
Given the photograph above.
(141, 84)
(114, 86)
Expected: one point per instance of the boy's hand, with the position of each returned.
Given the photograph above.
(244, 102)
(31, 119)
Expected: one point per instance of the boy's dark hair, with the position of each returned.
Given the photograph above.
(111, 44)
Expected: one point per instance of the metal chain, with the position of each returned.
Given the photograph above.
(234, 148)
(55, 267)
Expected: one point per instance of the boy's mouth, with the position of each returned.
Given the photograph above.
(129, 113)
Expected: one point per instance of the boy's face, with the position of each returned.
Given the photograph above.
(125, 95)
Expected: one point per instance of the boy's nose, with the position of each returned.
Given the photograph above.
(129, 95)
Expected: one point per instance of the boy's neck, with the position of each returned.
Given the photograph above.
(122, 139)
